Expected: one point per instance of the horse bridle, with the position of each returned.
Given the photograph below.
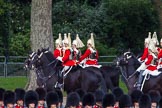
(50, 62)
(39, 69)
(120, 67)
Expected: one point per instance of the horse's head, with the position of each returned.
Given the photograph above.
(30, 61)
(128, 58)
(128, 62)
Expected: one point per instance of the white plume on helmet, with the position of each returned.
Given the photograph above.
(152, 47)
(69, 39)
(91, 41)
(78, 42)
(65, 41)
(59, 40)
(155, 39)
(148, 39)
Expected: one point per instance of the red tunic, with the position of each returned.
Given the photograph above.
(160, 57)
(89, 60)
(145, 54)
(76, 53)
(66, 59)
(17, 106)
(151, 66)
(97, 106)
(40, 106)
(79, 106)
(57, 52)
(158, 49)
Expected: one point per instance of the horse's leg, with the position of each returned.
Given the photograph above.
(115, 80)
(84, 85)
(103, 85)
(109, 83)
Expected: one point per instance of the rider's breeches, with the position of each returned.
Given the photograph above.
(142, 67)
(65, 69)
(140, 77)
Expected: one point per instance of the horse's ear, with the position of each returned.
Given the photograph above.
(129, 50)
(42, 49)
(38, 52)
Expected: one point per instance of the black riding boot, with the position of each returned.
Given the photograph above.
(139, 82)
(59, 83)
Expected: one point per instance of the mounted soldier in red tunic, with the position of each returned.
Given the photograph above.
(58, 44)
(66, 59)
(159, 67)
(150, 62)
(76, 44)
(91, 54)
(143, 60)
(145, 52)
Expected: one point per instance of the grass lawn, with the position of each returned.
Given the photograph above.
(10, 83)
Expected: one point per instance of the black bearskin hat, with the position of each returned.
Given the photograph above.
(81, 93)
(20, 93)
(155, 96)
(88, 99)
(41, 93)
(125, 101)
(145, 101)
(73, 99)
(99, 95)
(9, 97)
(2, 90)
(108, 100)
(60, 95)
(117, 92)
(52, 98)
(135, 95)
(31, 97)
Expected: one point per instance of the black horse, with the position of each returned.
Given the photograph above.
(77, 78)
(110, 73)
(128, 64)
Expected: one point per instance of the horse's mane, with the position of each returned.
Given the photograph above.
(49, 54)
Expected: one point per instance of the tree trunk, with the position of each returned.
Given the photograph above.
(158, 5)
(41, 31)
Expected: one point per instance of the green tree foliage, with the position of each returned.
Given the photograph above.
(19, 40)
(117, 24)
(128, 22)
(15, 25)
(4, 9)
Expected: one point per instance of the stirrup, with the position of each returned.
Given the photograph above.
(58, 85)
(137, 84)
